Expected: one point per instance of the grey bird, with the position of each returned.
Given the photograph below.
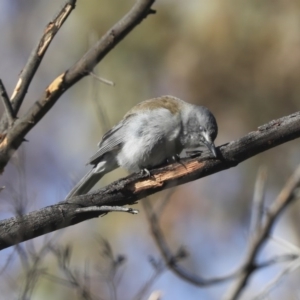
(152, 132)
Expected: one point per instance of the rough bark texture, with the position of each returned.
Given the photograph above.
(128, 190)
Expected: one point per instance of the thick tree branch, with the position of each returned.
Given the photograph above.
(15, 135)
(135, 187)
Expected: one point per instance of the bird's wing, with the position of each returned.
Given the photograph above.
(112, 140)
(115, 137)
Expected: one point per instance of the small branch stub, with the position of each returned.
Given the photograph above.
(107, 208)
(103, 80)
(7, 104)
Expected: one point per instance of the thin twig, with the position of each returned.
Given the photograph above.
(284, 243)
(285, 197)
(34, 269)
(7, 104)
(63, 256)
(276, 260)
(114, 264)
(272, 284)
(170, 259)
(107, 209)
(106, 81)
(158, 271)
(258, 201)
(96, 96)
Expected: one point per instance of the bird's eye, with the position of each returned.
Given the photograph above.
(201, 128)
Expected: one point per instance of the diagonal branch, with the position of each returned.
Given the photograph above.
(82, 68)
(36, 57)
(286, 196)
(137, 186)
(7, 104)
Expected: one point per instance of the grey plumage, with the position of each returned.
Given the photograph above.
(85, 184)
(150, 133)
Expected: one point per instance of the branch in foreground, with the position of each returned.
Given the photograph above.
(82, 68)
(107, 209)
(250, 265)
(137, 186)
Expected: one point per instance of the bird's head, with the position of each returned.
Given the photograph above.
(199, 128)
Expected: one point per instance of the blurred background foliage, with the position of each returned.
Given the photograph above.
(239, 58)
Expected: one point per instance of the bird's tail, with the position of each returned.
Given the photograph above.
(85, 184)
(90, 179)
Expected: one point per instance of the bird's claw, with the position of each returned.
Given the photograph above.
(146, 172)
(193, 153)
(174, 158)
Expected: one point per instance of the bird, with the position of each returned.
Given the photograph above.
(151, 133)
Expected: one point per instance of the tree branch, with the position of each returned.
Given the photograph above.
(15, 135)
(261, 236)
(36, 57)
(258, 201)
(250, 265)
(172, 260)
(137, 186)
(7, 104)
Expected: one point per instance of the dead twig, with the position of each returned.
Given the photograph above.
(103, 80)
(67, 79)
(107, 209)
(7, 104)
(171, 260)
(260, 237)
(37, 55)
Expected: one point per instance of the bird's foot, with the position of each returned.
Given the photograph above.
(174, 158)
(193, 153)
(145, 171)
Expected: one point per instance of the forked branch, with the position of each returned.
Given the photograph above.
(16, 134)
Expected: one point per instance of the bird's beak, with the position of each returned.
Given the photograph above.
(211, 146)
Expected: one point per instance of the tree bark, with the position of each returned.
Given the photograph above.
(128, 190)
